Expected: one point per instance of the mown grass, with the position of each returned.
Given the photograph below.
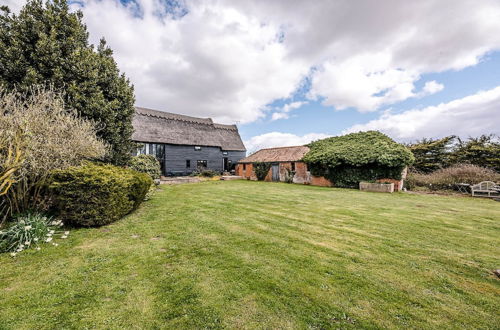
(243, 254)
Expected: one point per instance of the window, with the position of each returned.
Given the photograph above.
(244, 167)
(293, 167)
(197, 148)
(201, 164)
(188, 163)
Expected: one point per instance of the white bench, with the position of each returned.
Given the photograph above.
(486, 189)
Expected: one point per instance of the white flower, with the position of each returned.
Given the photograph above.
(61, 224)
(13, 254)
(27, 243)
(22, 222)
(55, 244)
(37, 248)
(54, 223)
(66, 232)
(48, 239)
(27, 227)
(49, 234)
(35, 239)
(64, 236)
(44, 218)
(52, 231)
(19, 250)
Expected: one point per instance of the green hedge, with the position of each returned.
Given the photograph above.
(349, 159)
(146, 164)
(95, 195)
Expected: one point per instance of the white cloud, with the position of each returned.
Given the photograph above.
(230, 59)
(279, 139)
(283, 112)
(469, 116)
(215, 61)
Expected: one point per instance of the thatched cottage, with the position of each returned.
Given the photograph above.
(184, 144)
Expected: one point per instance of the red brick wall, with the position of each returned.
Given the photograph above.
(302, 176)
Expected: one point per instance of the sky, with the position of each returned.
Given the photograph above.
(288, 72)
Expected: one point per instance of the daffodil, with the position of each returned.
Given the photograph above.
(27, 228)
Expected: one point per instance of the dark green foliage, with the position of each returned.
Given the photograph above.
(208, 173)
(431, 154)
(146, 164)
(261, 170)
(346, 160)
(482, 151)
(95, 195)
(48, 45)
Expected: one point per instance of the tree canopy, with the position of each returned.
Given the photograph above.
(346, 160)
(434, 154)
(359, 149)
(46, 44)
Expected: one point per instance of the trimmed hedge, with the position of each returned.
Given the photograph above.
(95, 194)
(349, 159)
(146, 164)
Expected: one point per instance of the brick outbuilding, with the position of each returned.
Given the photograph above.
(287, 165)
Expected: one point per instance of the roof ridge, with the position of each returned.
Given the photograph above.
(282, 147)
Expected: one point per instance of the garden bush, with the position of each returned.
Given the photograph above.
(146, 164)
(349, 159)
(38, 134)
(447, 178)
(208, 173)
(261, 170)
(95, 194)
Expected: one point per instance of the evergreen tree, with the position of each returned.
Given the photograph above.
(46, 44)
(482, 151)
(430, 154)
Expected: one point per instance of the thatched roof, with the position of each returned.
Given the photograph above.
(163, 127)
(280, 154)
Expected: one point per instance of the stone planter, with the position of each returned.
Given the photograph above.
(376, 187)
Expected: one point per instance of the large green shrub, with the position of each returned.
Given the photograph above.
(146, 164)
(349, 159)
(47, 43)
(95, 195)
(261, 170)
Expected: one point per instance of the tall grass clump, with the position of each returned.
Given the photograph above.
(448, 178)
(30, 230)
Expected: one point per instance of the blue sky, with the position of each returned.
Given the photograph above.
(327, 120)
(291, 71)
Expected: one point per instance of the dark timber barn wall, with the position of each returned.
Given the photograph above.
(175, 139)
(176, 156)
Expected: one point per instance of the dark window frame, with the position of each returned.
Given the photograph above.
(188, 163)
(293, 166)
(203, 162)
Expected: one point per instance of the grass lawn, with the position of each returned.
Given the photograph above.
(243, 254)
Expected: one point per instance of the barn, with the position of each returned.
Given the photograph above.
(285, 165)
(184, 144)
(341, 161)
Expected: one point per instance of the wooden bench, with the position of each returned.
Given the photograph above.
(486, 189)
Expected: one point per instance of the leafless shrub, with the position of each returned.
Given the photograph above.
(447, 178)
(46, 136)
